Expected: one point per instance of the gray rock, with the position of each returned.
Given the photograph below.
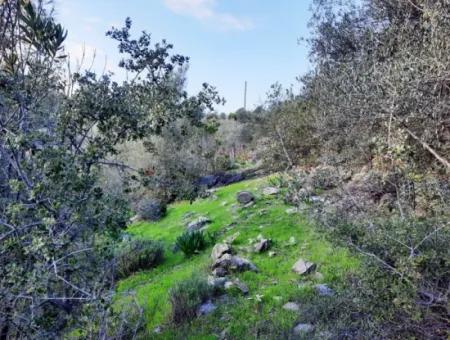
(242, 287)
(241, 265)
(269, 191)
(303, 328)
(198, 224)
(245, 197)
(262, 245)
(291, 306)
(206, 308)
(223, 262)
(219, 250)
(303, 267)
(249, 204)
(323, 290)
(217, 282)
(219, 272)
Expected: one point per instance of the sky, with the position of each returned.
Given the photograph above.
(228, 41)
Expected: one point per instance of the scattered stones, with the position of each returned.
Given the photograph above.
(324, 290)
(269, 191)
(245, 197)
(262, 245)
(198, 224)
(219, 250)
(291, 306)
(302, 267)
(303, 328)
(206, 308)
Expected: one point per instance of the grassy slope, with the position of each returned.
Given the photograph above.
(275, 284)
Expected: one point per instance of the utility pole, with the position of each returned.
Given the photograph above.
(245, 96)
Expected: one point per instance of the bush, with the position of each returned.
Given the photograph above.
(152, 209)
(191, 242)
(186, 296)
(138, 255)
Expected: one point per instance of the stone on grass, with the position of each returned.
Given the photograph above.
(198, 224)
(223, 262)
(272, 253)
(206, 308)
(219, 272)
(303, 328)
(270, 191)
(242, 287)
(245, 197)
(262, 245)
(241, 265)
(291, 306)
(302, 267)
(324, 290)
(217, 282)
(219, 250)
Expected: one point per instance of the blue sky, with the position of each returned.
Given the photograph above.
(228, 41)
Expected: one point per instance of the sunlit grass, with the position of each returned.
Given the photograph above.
(274, 285)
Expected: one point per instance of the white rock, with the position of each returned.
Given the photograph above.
(303, 267)
(291, 306)
(303, 328)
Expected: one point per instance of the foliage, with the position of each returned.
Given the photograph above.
(186, 296)
(138, 255)
(57, 133)
(191, 242)
(151, 209)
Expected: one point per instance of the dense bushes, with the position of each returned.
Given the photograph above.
(186, 296)
(138, 255)
(191, 242)
(151, 209)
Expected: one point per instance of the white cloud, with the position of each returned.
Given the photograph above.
(204, 10)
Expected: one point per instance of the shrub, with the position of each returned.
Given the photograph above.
(186, 296)
(191, 242)
(138, 255)
(152, 209)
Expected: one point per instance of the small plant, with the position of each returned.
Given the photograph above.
(191, 242)
(138, 255)
(186, 296)
(152, 209)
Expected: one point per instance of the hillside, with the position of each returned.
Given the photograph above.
(238, 316)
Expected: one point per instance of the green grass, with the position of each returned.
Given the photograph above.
(273, 286)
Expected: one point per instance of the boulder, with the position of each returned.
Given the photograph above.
(223, 262)
(242, 287)
(269, 191)
(262, 245)
(303, 267)
(291, 306)
(219, 272)
(229, 263)
(241, 265)
(219, 250)
(206, 308)
(245, 197)
(323, 290)
(303, 329)
(217, 282)
(198, 224)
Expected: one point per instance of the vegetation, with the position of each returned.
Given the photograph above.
(358, 191)
(138, 255)
(191, 242)
(186, 296)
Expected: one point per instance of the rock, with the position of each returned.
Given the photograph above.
(262, 245)
(206, 308)
(198, 224)
(324, 290)
(303, 267)
(291, 306)
(272, 254)
(291, 211)
(240, 264)
(318, 276)
(269, 191)
(219, 250)
(217, 282)
(245, 197)
(242, 287)
(249, 204)
(303, 328)
(228, 263)
(219, 272)
(223, 262)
